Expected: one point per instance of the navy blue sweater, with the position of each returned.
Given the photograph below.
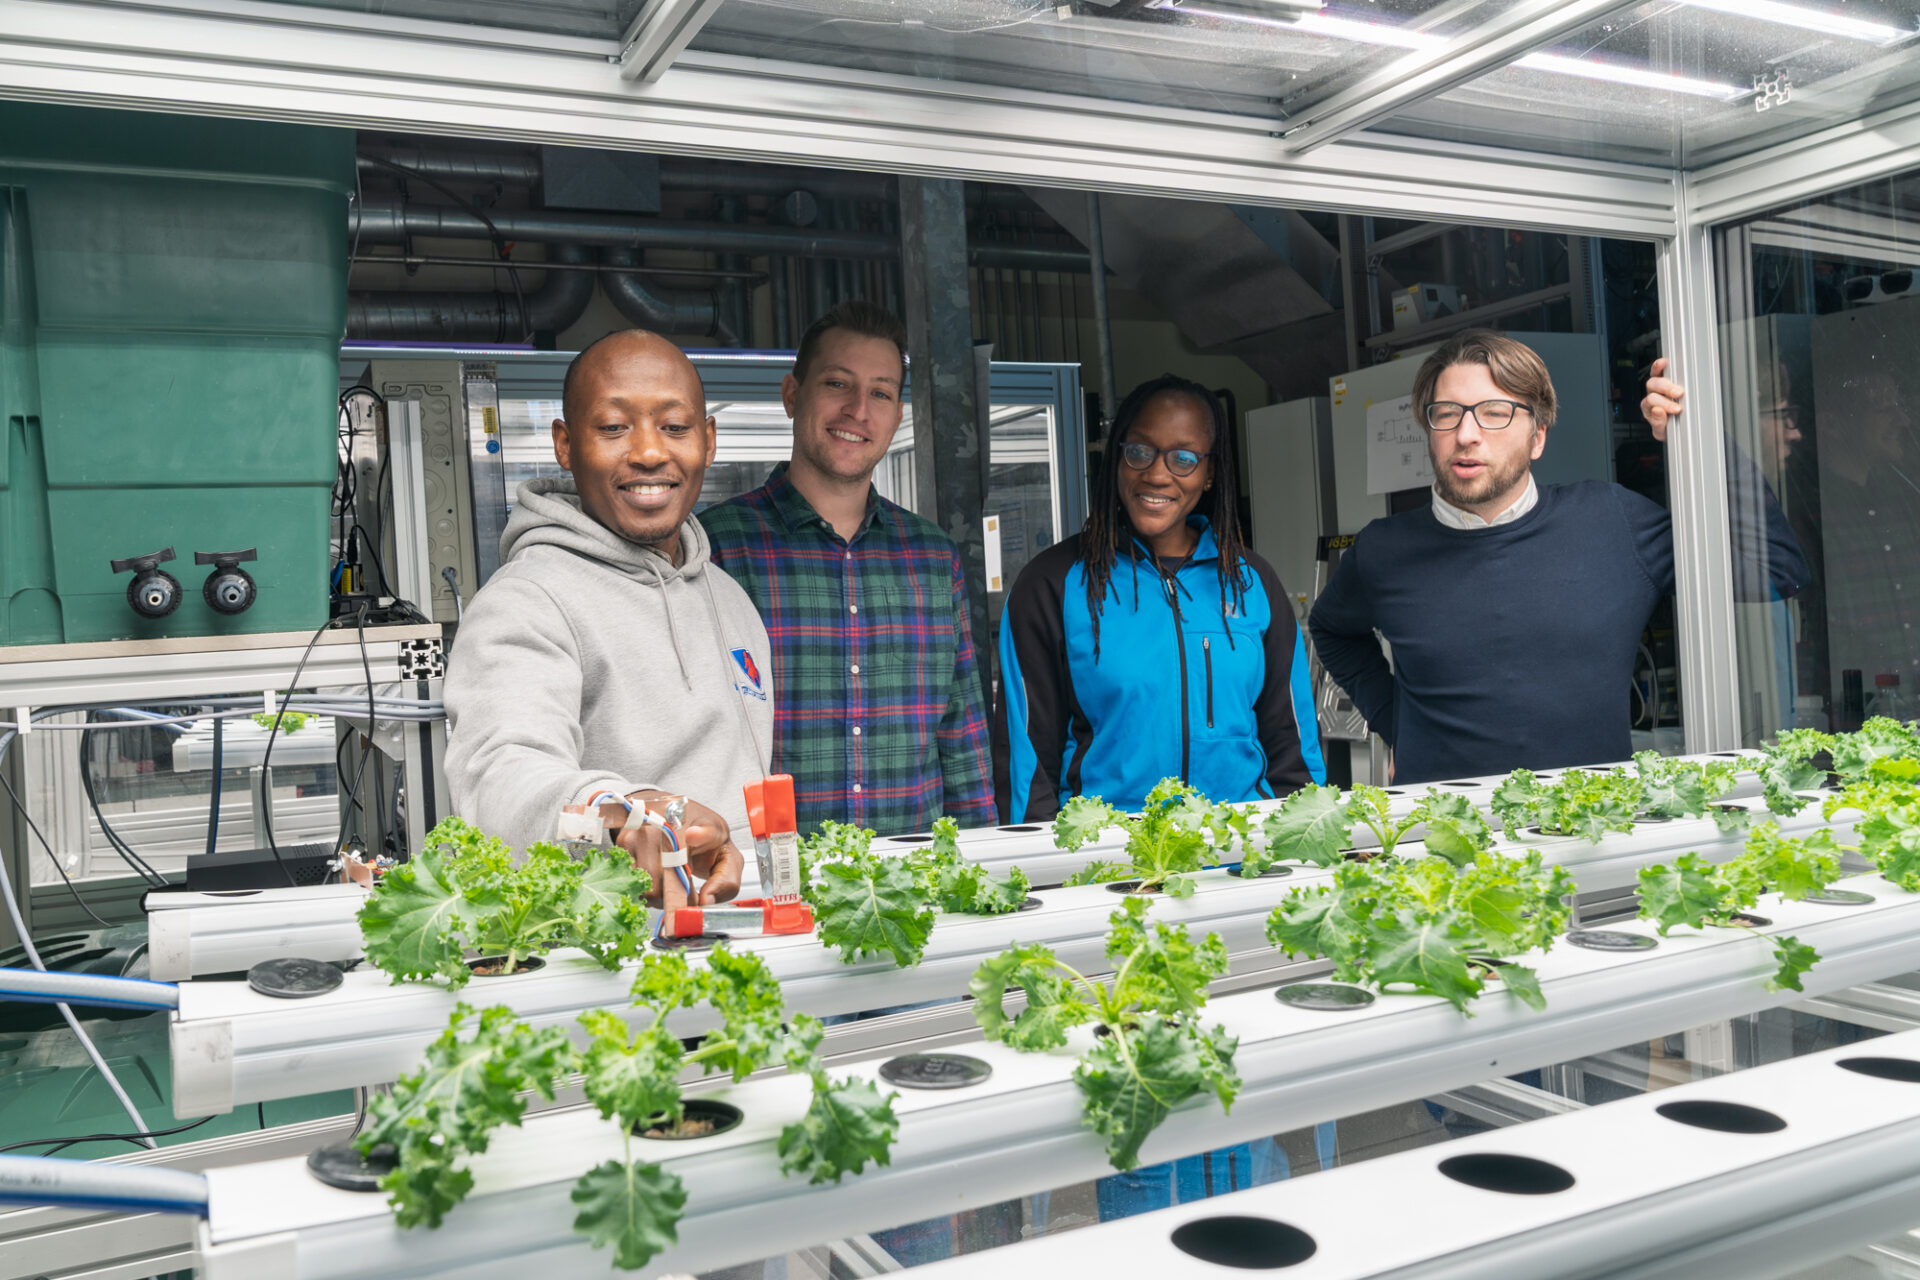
(1512, 646)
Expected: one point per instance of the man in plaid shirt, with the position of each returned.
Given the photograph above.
(877, 706)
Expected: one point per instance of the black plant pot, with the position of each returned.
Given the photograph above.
(527, 964)
(699, 1118)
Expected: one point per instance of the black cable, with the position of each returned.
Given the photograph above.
(261, 1107)
(379, 566)
(140, 865)
(213, 805)
(55, 1145)
(266, 757)
(21, 809)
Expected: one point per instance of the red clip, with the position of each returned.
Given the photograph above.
(770, 805)
(788, 917)
(686, 922)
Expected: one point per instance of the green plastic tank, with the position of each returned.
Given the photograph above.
(172, 297)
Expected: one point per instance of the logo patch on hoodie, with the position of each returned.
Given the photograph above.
(751, 670)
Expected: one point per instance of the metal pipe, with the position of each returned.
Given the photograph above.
(779, 302)
(591, 268)
(394, 221)
(509, 168)
(668, 311)
(479, 315)
(1102, 322)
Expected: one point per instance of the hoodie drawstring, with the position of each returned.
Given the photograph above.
(673, 632)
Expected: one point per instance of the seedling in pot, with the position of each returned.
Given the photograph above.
(1177, 832)
(1696, 893)
(870, 904)
(1422, 925)
(1315, 825)
(444, 1113)
(464, 893)
(1155, 1054)
(1577, 803)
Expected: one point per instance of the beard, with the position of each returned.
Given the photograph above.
(1495, 482)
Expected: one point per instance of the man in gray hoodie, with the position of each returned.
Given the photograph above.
(607, 656)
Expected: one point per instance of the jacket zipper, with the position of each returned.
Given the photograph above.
(1180, 647)
(1206, 651)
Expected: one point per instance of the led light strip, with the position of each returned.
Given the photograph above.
(1335, 26)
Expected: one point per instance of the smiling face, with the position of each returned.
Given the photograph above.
(846, 410)
(1477, 470)
(1158, 502)
(637, 438)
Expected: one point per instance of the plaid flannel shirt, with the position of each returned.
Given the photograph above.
(877, 707)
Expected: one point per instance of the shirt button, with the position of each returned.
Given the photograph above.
(856, 788)
(853, 608)
(856, 668)
(856, 731)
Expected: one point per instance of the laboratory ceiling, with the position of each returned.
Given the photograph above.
(1670, 83)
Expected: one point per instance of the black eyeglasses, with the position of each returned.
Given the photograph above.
(1140, 456)
(1492, 415)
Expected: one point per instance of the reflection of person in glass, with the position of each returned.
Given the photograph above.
(1870, 489)
(1869, 500)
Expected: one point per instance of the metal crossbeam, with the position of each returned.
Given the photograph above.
(658, 34)
(1428, 73)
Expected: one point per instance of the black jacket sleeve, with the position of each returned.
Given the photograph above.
(1289, 729)
(1036, 698)
(1342, 627)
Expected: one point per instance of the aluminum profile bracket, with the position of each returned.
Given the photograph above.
(659, 33)
(1020, 1131)
(1650, 1196)
(370, 1029)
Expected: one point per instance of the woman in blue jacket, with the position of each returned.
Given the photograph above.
(1155, 644)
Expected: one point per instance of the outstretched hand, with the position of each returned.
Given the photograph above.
(712, 858)
(1664, 400)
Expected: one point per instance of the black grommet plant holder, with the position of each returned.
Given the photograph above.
(1721, 1117)
(1023, 828)
(294, 979)
(911, 839)
(342, 1166)
(1275, 871)
(1838, 898)
(1905, 1070)
(1611, 940)
(1125, 886)
(1030, 903)
(1324, 997)
(1244, 1242)
(934, 1071)
(1508, 1175)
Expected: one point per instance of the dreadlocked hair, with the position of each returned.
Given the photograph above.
(1108, 531)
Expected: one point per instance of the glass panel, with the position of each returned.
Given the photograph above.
(1251, 57)
(1819, 322)
(1688, 84)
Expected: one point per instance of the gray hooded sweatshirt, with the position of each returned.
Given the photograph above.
(591, 663)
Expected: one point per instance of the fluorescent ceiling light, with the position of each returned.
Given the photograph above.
(1335, 26)
(1793, 15)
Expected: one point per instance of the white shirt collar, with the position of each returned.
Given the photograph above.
(1455, 518)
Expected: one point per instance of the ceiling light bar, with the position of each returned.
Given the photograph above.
(1628, 74)
(1335, 26)
(1793, 15)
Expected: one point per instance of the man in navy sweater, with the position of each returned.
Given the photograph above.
(1513, 610)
